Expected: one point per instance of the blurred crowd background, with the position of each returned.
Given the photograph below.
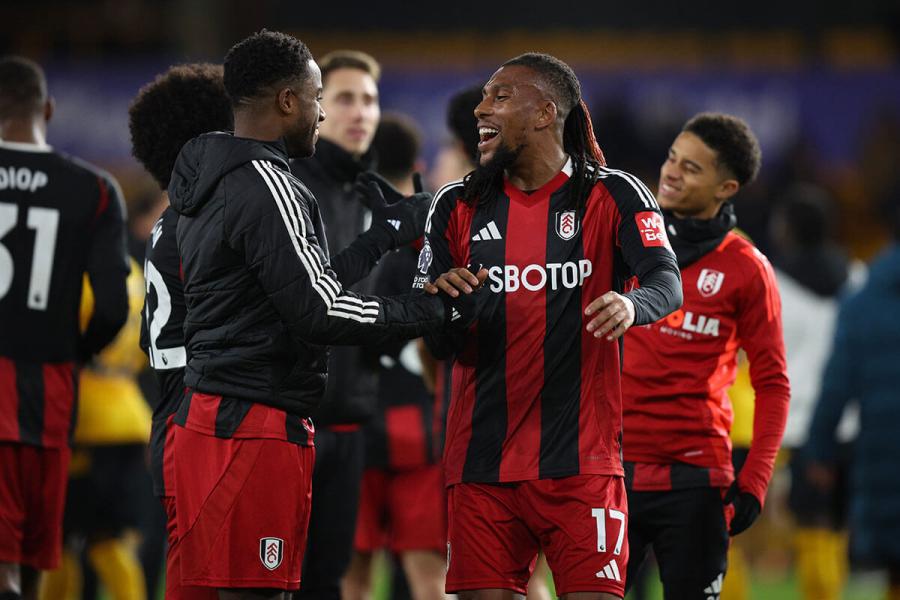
(819, 82)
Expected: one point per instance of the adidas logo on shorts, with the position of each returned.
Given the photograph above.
(610, 571)
(714, 589)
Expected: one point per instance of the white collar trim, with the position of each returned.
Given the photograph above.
(567, 168)
(25, 147)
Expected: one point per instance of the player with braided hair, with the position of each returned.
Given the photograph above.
(533, 443)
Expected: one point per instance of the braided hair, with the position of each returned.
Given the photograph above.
(579, 141)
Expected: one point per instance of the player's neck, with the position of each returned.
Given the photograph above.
(534, 170)
(23, 132)
(254, 126)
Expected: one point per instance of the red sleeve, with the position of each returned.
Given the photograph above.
(759, 329)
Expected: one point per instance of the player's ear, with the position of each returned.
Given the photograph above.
(49, 108)
(727, 189)
(286, 99)
(547, 115)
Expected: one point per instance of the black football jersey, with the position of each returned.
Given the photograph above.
(162, 336)
(59, 218)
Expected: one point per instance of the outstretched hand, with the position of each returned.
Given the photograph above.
(401, 217)
(457, 280)
(613, 314)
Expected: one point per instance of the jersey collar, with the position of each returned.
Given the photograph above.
(25, 147)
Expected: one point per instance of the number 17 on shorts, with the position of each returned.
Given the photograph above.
(611, 569)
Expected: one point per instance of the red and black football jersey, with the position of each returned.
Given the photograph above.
(677, 372)
(534, 394)
(59, 218)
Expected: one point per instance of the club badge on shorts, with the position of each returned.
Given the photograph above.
(271, 552)
(710, 282)
(567, 224)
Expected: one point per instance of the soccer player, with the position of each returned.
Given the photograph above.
(182, 103)
(682, 492)
(350, 99)
(532, 453)
(862, 366)
(59, 218)
(813, 272)
(262, 301)
(402, 501)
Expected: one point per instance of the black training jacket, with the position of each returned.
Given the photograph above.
(352, 391)
(262, 300)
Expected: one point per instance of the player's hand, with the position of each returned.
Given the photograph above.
(401, 217)
(455, 281)
(746, 508)
(462, 308)
(613, 314)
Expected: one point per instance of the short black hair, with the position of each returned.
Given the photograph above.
(180, 104)
(349, 59)
(808, 212)
(264, 59)
(23, 87)
(735, 145)
(397, 144)
(461, 119)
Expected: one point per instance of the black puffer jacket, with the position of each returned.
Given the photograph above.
(261, 297)
(352, 391)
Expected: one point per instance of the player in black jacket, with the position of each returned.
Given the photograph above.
(59, 218)
(262, 301)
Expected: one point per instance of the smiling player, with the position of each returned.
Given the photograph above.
(682, 491)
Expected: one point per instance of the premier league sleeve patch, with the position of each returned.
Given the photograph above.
(425, 258)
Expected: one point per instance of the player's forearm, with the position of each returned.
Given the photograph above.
(770, 417)
(358, 259)
(660, 294)
(109, 315)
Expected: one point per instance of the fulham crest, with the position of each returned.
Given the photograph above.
(271, 552)
(710, 282)
(567, 224)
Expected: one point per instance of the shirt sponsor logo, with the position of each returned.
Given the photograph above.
(682, 321)
(710, 282)
(271, 552)
(509, 278)
(567, 224)
(652, 229)
(22, 178)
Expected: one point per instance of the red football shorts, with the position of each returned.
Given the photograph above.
(174, 589)
(402, 510)
(496, 531)
(32, 497)
(242, 510)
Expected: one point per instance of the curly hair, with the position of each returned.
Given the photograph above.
(461, 119)
(23, 87)
(736, 148)
(264, 59)
(180, 104)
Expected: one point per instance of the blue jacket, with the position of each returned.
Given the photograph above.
(865, 366)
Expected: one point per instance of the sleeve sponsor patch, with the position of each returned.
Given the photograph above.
(652, 229)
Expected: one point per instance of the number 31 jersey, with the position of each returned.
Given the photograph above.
(59, 218)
